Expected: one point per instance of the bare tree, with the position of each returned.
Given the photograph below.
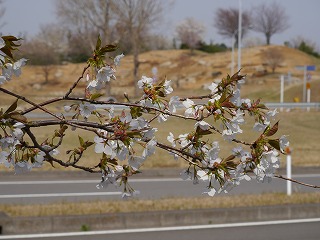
(273, 58)
(190, 32)
(124, 21)
(270, 19)
(88, 18)
(227, 20)
(135, 21)
(2, 12)
(85, 20)
(46, 49)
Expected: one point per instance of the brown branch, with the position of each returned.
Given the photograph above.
(30, 102)
(76, 123)
(295, 181)
(41, 104)
(60, 98)
(76, 82)
(51, 159)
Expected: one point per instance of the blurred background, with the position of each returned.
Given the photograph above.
(192, 43)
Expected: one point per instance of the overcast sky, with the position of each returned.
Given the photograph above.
(26, 16)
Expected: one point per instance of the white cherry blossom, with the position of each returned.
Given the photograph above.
(173, 104)
(212, 191)
(145, 81)
(284, 143)
(171, 139)
(167, 88)
(203, 125)
(117, 59)
(135, 162)
(105, 74)
(86, 109)
(149, 148)
(3, 79)
(67, 108)
(213, 87)
(190, 108)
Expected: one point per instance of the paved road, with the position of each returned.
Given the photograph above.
(44, 191)
(306, 229)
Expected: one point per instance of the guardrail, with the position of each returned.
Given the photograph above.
(315, 105)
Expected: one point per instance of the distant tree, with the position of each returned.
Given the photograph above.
(158, 42)
(88, 18)
(78, 50)
(127, 22)
(226, 21)
(46, 49)
(269, 20)
(135, 19)
(190, 32)
(304, 45)
(85, 20)
(2, 12)
(212, 48)
(41, 54)
(273, 58)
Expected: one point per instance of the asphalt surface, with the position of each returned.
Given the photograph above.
(29, 190)
(271, 230)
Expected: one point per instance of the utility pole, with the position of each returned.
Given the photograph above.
(239, 35)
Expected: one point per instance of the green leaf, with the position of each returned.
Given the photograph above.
(161, 94)
(133, 134)
(98, 45)
(88, 144)
(202, 132)
(12, 107)
(108, 48)
(135, 112)
(274, 143)
(18, 117)
(262, 106)
(10, 38)
(95, 96)
(230, 158)
(272, 130)
(81, 141)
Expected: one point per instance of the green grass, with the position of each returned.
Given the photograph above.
(302, 129)
(134, 205)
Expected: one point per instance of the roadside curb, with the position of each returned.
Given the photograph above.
(28, 225)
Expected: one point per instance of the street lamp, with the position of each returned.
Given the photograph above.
(239, 35)
(232, 53)
(239, 31)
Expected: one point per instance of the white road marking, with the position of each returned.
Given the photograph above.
(43, 195)
(141, 180)
(160, 229)
(86, 181)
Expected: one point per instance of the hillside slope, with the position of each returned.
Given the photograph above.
(189, 74)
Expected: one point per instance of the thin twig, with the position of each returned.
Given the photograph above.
(295, 181)
(76, 82)
(30, 102)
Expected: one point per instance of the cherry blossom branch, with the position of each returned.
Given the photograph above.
(295, 181)
(51, 159)
(30, 102)
(42, 105)
(76, 82)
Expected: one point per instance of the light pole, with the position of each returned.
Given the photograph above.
(232, 52)
(239, 35)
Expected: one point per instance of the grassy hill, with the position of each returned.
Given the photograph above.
(189, 74)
